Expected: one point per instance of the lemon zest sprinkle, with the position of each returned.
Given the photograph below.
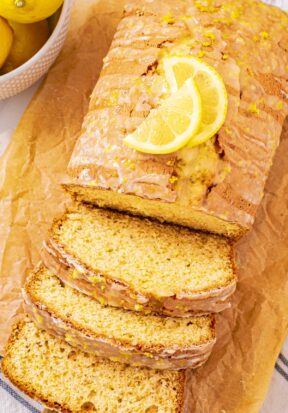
(149, 355)
(95, 279)
(168, 18)
(210, 35)
(227, 168)
(185, 17)
(75, 274)
(201, 54)
(38, 318)
(102, 300)
(254, 109)
(235, 14)
(92, 183)
(264, 35)
(205, 8)
(173, 179)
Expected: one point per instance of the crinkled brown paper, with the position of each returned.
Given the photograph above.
(251, 334)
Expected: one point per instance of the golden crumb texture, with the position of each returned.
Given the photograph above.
(120, 335)
(141, 264)
(71, 381)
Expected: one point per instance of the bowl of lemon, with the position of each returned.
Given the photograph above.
(32, 33)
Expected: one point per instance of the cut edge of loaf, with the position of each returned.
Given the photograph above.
(112, 292)
(162, 211)
(121, 292)
(147, 354)
(37, 394)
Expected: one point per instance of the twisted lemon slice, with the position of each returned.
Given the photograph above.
(211, 88)
(170, 127)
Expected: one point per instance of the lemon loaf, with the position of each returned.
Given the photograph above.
(139, 264)
(71, 381)
(218, 185)
(120, 335)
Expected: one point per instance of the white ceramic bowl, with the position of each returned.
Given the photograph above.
(25, 75)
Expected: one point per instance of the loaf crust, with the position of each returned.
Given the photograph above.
(225, 196)
(129, 352)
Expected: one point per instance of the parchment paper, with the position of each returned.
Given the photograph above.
(251, 333)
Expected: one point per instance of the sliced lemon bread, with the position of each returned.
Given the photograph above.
(141, 264)
(120, 335)
(218, 185)
(71, 381)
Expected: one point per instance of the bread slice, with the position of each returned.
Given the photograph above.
(141, 264)
(120, 335)
(216, 186)
(71, 381)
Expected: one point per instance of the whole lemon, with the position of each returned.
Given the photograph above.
(6, 36)
(28, 39)
(53, 20)
(28, 11)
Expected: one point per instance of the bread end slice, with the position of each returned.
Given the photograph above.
(70, 381)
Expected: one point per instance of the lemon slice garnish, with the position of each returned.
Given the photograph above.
(211, 88)
(170, 126)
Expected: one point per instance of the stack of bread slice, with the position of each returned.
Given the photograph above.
(131, 289)
(121, 305)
